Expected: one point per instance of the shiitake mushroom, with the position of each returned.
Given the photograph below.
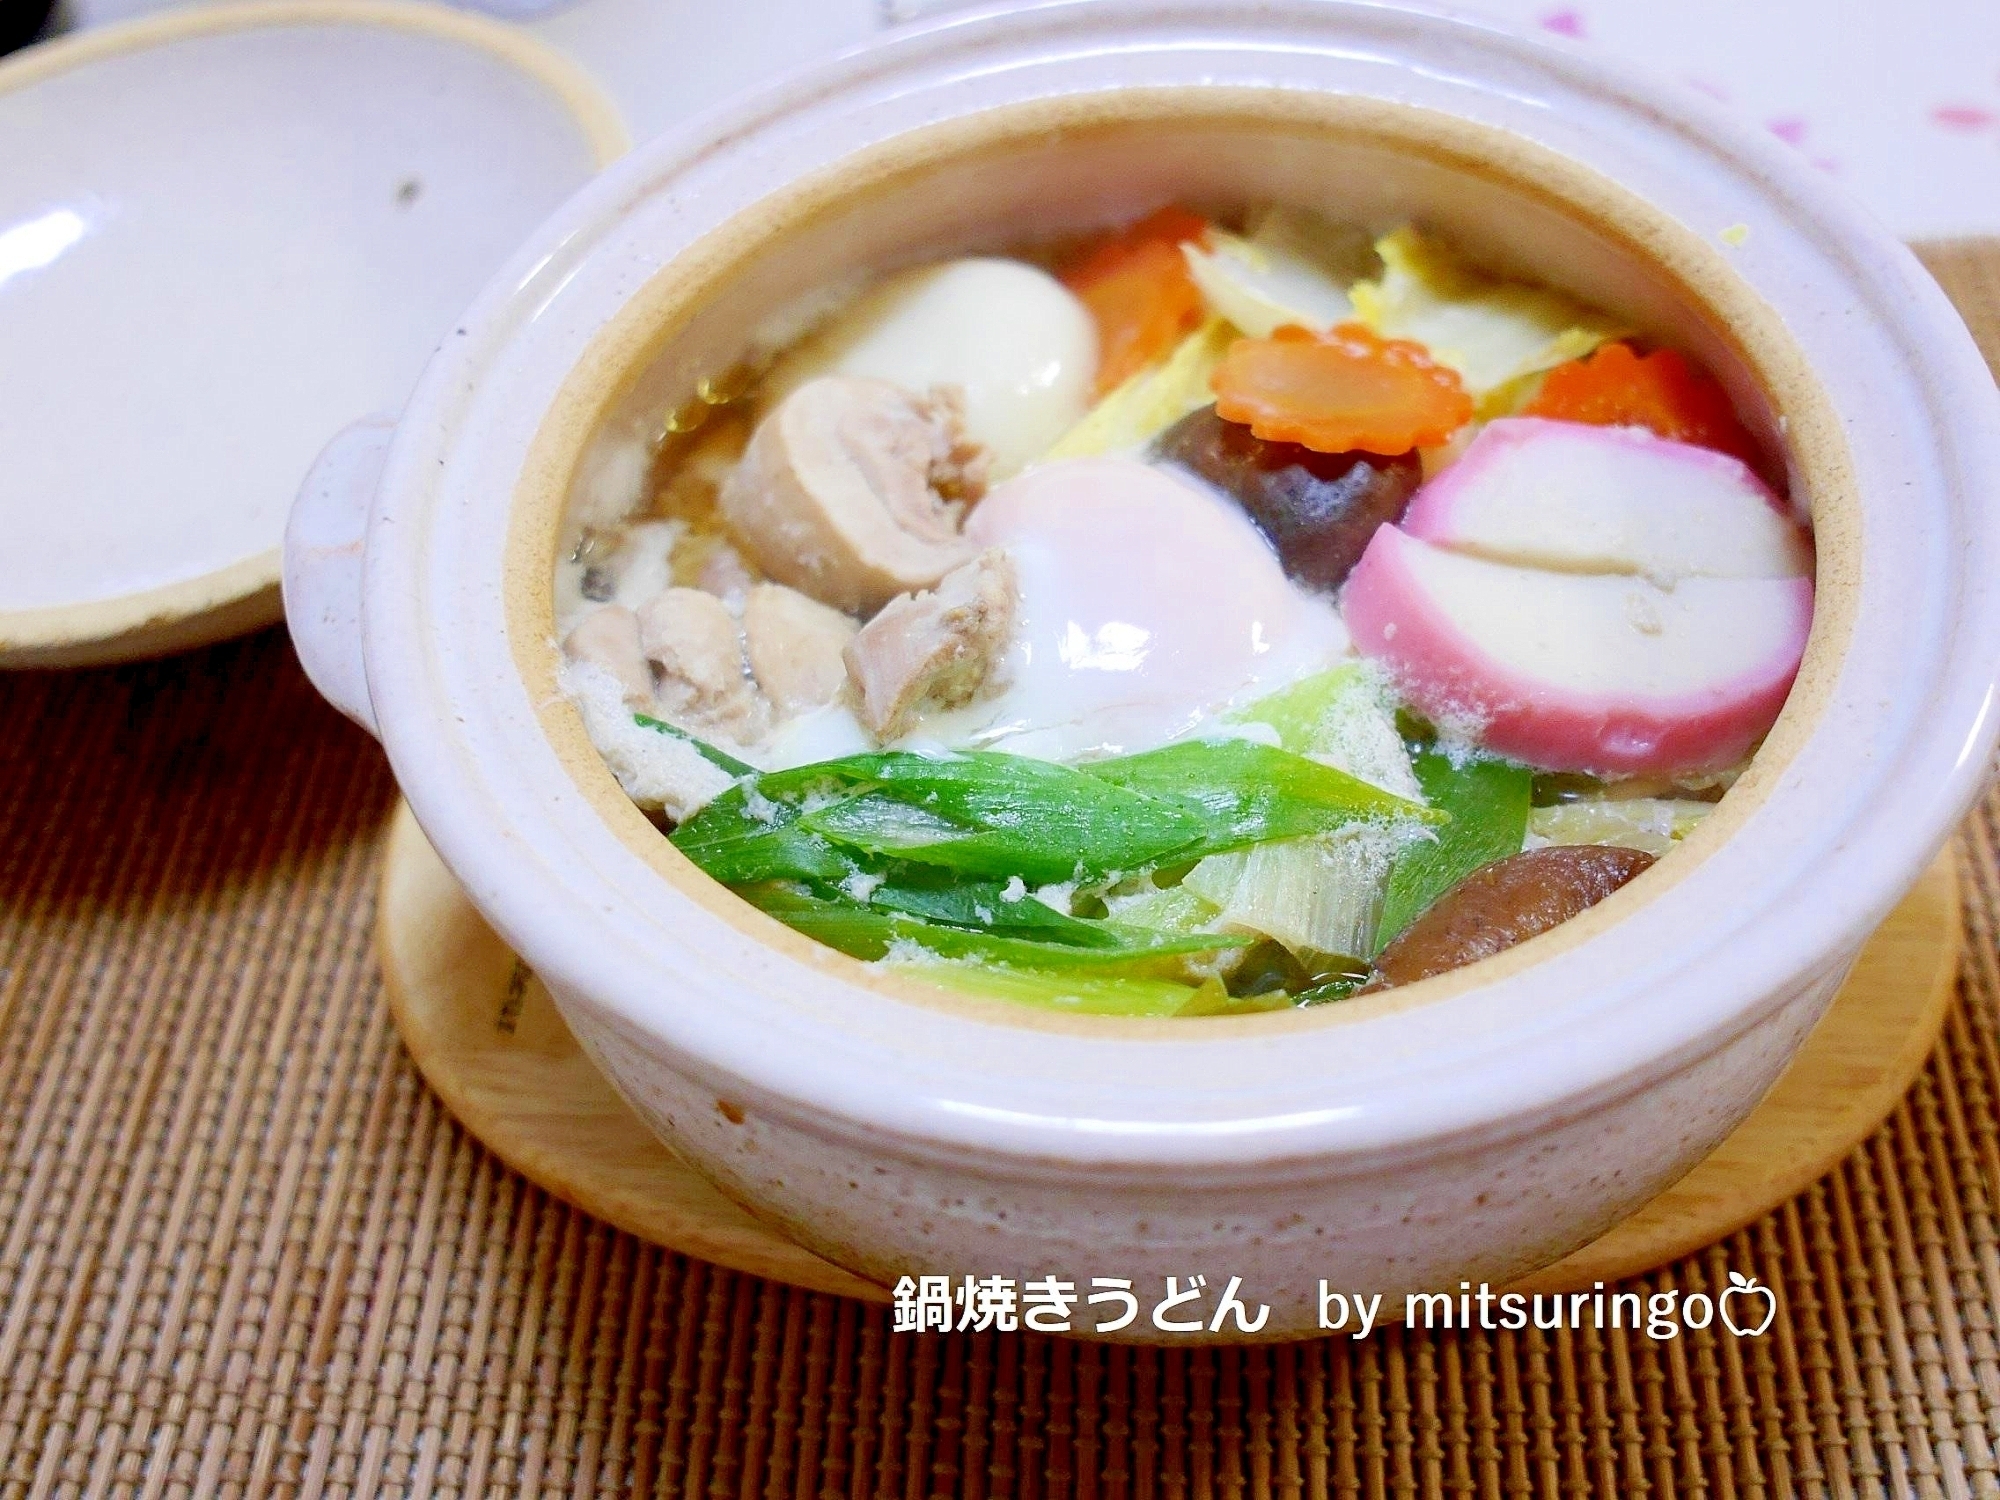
(1504, 903)
(1317, 509)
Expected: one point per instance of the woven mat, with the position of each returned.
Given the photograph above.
(247, 1252)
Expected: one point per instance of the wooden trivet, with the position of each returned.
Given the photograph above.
(490, 1041)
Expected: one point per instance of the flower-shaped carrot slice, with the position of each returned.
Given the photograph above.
(1614, 387)
(1140, 293)
(1341, 392)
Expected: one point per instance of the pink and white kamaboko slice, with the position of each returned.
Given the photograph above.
(1591, 599)
(1582, 499)
(1604, 673)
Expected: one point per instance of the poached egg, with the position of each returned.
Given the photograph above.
(1149, 605)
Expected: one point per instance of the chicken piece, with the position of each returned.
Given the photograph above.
(701, 681)
(964, 466)
(851, 491)
(725, 575)
(795, 646)
(934, 650)
(609, 638)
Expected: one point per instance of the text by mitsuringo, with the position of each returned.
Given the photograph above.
(1189, 1305)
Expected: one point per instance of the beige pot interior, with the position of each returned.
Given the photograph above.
(1050, 168)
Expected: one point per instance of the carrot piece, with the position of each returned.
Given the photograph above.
(1614, 387)
(1341, 392)
(1137, 287)
(1164, 226)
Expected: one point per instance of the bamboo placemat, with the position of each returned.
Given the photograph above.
(243, 1250)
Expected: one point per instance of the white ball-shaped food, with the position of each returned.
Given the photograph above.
(1012, 337)
(1147, 607)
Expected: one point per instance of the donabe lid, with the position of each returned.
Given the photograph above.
(224, 234)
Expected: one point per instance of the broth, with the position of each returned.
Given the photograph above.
(1194, 618)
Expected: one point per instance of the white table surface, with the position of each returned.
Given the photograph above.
(1898, 99)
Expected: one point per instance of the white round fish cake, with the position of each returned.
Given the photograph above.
(1018, 342)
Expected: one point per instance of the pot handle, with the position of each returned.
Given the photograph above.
(324, 539)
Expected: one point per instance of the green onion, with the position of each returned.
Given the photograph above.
(893, 853)
(1315, 896)
(736, 845)
(1077, 994)
(998, 816)
(1246, 793)
(1172, 909)
(1214, 1000)
(1329, 990)
(1488, 803)
(1096, 994)
(731, 844)
(859, 929)
(986, 905)
(718, 758)
(1299, 713)
(984, 814)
